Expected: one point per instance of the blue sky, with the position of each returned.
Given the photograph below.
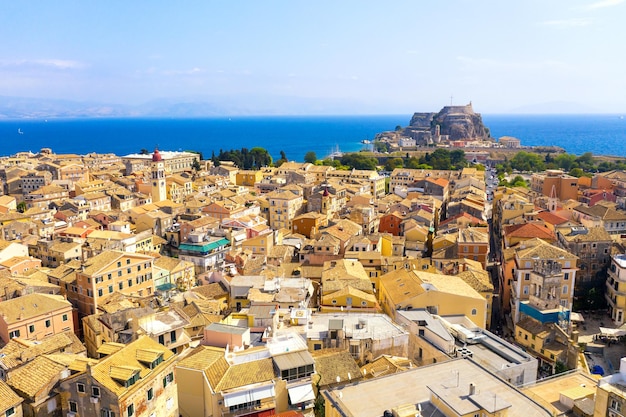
(391, 57)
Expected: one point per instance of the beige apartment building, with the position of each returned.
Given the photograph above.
(284, 207)
(34, 317)
(109, 272)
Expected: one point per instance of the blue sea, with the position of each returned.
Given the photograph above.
(599, 134)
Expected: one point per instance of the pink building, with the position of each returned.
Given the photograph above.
(222, 335)
(35, 316)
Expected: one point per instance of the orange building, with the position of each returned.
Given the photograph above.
(34, 317)
(308, 224)
(565, 186)
(391, 223)
(473, 243)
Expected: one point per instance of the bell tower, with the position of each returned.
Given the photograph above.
(159, 191)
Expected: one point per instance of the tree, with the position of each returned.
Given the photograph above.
(21, 207)
(310, 157)
(393, 163)
(282, 160)
(144, 151)
(358, 161)
(196, 165)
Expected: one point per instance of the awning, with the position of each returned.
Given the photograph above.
(577, 317)
(612, 332)
(301, 393)
(247, 396)
(165, 287)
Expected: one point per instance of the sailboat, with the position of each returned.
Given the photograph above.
(335, 153)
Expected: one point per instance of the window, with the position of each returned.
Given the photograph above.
(14, 333)
(168, 379)
(172, 336)
(120, 285)
(526, 276)
(130, 283)
(474, 312)
(130, 410)
(73, 407)
(119, 273)
(80, 387)
(31, 328)
(106, 413)
(564, 289)
(127, 261)
(150, 394)
(95, 391)
(48, 323)
(525, 289)
(616, 405)
(64, 317)
(119, 264)
(162, 339)
(566, 276)
(100, 292)
(10, 412)
(110, 289)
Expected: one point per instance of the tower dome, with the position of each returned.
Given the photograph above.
(156, 156)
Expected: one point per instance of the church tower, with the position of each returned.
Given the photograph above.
(159, 192)
(553, 201)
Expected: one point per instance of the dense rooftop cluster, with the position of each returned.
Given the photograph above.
(163, 285)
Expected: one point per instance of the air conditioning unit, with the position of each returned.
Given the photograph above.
(94, 400)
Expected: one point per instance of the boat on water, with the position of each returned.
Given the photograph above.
(334, 153)
(19, 131)
(366, 142)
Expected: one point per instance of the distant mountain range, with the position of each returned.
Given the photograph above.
(249, 105)
(33, 108)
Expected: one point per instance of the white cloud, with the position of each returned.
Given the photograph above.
(603, 4)
(192, 71)
(62, 64)
(567, 23)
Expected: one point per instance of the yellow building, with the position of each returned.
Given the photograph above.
(248, 178)
(346, 285)
(437, 293)
(545, 341)
(284, 207)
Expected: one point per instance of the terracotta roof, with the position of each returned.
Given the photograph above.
(536, 247)
(107, 369)
(528, 231)
(333, 363)
(35, 377)
(8, 398)
(208, 359)
(478, 280)
(31, 305)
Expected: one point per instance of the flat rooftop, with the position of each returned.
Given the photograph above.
(371, 398)
(376, 326)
